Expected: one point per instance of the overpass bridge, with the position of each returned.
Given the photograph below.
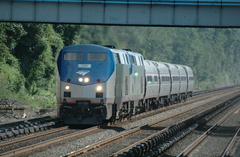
(192, 13)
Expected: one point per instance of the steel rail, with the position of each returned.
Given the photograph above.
(231, 143)
(205, 134)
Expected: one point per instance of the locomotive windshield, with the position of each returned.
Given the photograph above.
(97, 56)
(73, 56)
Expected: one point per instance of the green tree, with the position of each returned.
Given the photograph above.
(36, 50)
(11, 79)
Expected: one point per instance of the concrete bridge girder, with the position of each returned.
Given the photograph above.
(120, 14)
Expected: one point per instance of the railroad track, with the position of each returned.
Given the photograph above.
(96, 129)
(172, 136)
(125, 134)
(213, 90)
(131, 132)
(209, 132)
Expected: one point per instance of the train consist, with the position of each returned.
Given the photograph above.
(101, 83)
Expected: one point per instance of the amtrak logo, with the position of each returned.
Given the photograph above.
(83, 72)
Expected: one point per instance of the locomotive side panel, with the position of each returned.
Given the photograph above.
(137, 86)
(122, 85)
(137, 81)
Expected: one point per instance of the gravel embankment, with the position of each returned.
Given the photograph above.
(14, 111)
(7, 118)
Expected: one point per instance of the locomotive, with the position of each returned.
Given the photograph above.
(97, 84)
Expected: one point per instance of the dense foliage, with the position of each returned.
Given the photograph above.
(28, 66)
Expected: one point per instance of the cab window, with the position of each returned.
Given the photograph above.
(96, 56)
(73, 56)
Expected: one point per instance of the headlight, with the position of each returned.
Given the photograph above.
(80, 79)
(86, 79)
(67, 87)
(99, 88)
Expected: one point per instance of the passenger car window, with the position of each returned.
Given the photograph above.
(165, 78)
(191, 78)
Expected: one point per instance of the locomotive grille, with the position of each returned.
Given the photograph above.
(83, 107)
